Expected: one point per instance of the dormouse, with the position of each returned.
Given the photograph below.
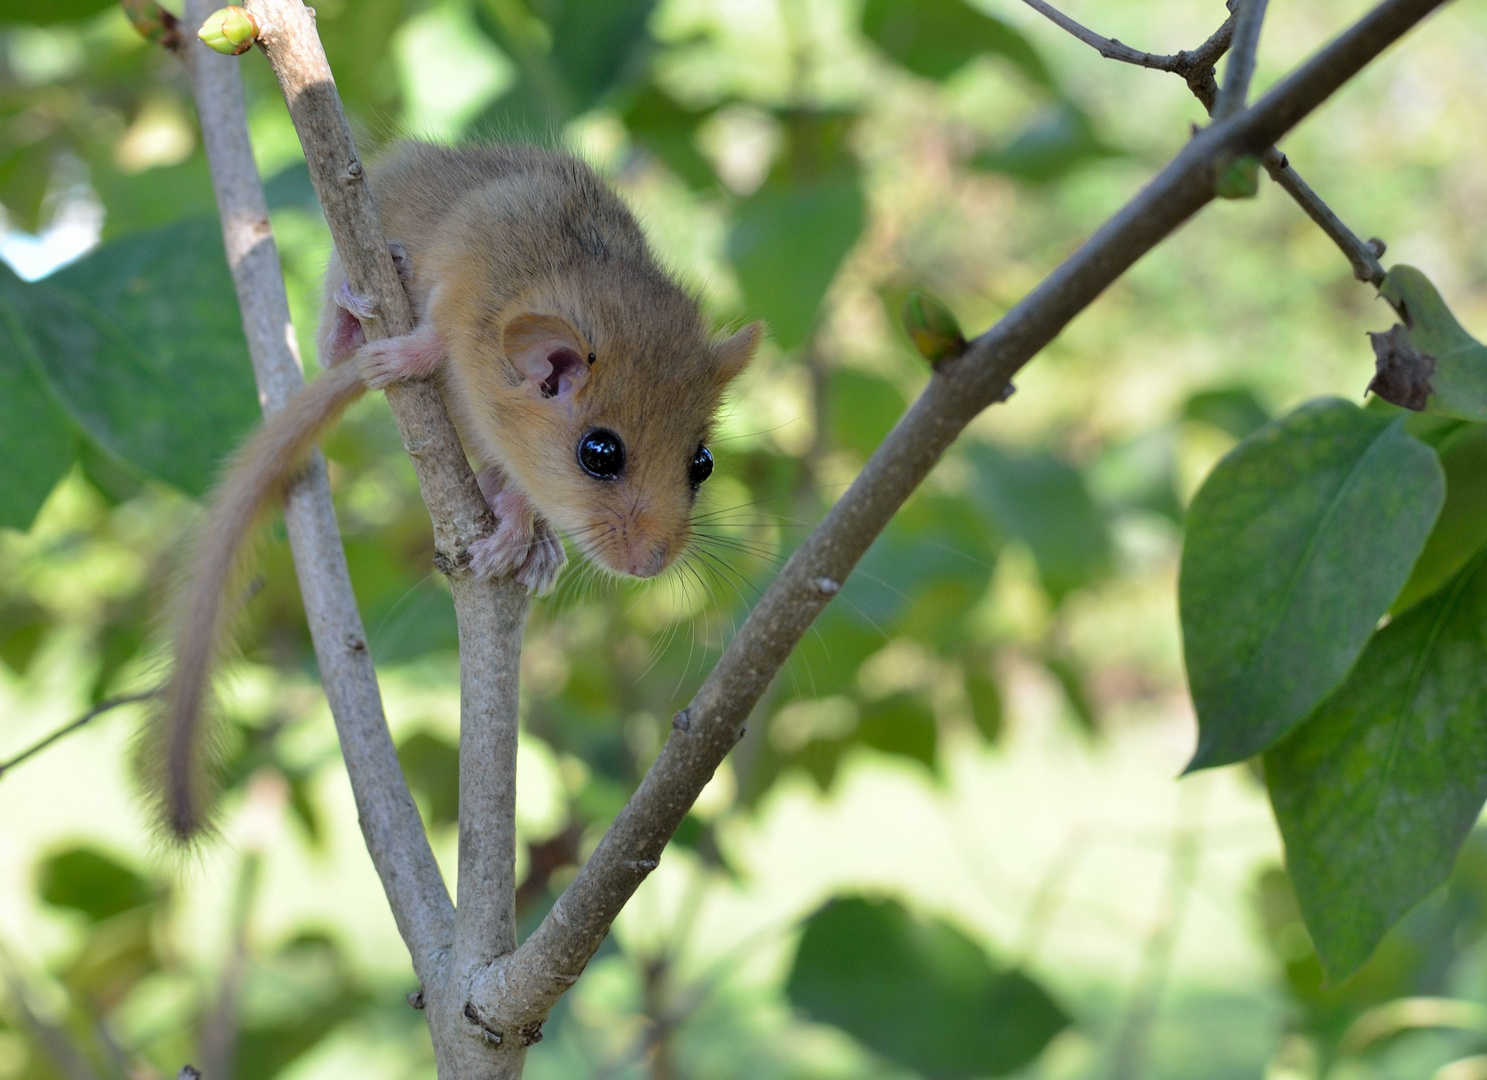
(580, 376)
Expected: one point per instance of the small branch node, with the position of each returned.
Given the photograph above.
(483, 1029)
(354, 171)
(415, 999)
(356, 643)
(644, 866)
(1005, 393)
(681, 720)
(1377, 246)
(827, 586)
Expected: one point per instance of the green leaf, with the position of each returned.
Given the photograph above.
(902, 725)
(986, 706)
(1430, 362)
(44, 12)
(1037, 499)
(935, 38)
(37, 443)
(919, 992)
(1375, 793)
(142, 342)
(432, 766)
(1059, 140)
(786, 243)
(1461, 529)
(1296, 544)
(863, 408)
(1233, 409)
(89, 881)
(668, 130)
(1238, 179)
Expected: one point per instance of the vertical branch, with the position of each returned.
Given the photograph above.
(1241, 66)
(389, 819)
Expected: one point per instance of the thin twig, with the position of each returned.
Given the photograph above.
(73, 725)
(518, 991)
(389, 817)
(1241, 66)
(1197, 69)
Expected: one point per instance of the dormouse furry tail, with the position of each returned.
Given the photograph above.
(177, 751)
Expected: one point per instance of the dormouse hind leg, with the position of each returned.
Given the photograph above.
(524, 544)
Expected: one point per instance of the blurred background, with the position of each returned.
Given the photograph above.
(971, 761)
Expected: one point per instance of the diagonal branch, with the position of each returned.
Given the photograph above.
(389, 818)
(73, 725)
(1196, 68)
(1241, 66)
(517, 993)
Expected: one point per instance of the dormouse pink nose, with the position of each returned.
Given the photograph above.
(646, 560)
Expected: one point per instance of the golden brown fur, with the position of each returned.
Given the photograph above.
(511, 252)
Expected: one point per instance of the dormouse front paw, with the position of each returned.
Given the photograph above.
(524, 544)
(393, 360)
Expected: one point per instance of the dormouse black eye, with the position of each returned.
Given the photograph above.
(601, 454)
(702, 466)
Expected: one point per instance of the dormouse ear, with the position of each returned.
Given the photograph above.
(548, 353)
(732, 355)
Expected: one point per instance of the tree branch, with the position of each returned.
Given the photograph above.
(516, 993)
(73, 725)
(1196, 68)
(1241, 66)
(491, 614)
(389, 818)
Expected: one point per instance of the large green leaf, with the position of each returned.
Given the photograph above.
(1296, 544)
(91, 882)
(1376, 791)
(41, 12)
(919, 992)
(142, 343)
(935, 38)
(1429, 362)
(36, 440)
(1461, 529)
(1043, 502)
(786, 243)
(1057, 141)
(1233, 409)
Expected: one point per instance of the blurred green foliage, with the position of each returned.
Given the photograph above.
(804, 163)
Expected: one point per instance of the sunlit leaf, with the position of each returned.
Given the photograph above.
(1296, 544)
(142, 342)
(1043, 502)
(919, 992)
(89, 881)
(935, 38)
(37, 443)
(1376, 791)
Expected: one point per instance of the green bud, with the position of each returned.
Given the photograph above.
(230, 30)
(932, 328)
(1239, 179)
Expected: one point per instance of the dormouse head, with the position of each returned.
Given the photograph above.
(598, 398)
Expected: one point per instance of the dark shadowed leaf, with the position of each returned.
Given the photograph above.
(1140, 475)
(1037, 499)
(1296, 544)
(668, 130)
(863, 409)
(902, 725)
(919, 992)
(986, 705)
(1055, 143)
(935, 38)
(1233, 409)
(37, 444)
(1376, 791)
(41, 12)
(23, 625)
(89, 881)
(142, 342)
(1461, 529)
(432, 766)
